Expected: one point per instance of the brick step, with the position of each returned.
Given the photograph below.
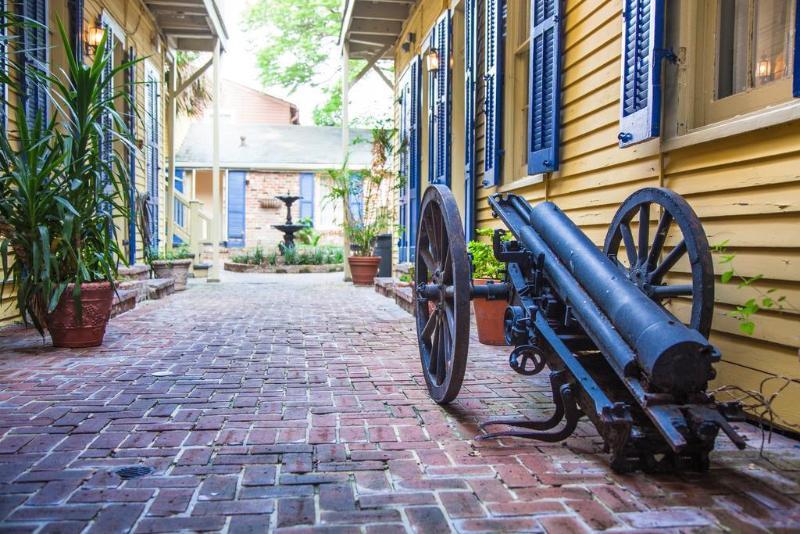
(124, 301)
(134, 272)
(160, 287)
(138, 286)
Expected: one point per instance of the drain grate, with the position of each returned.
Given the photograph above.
(134, 471)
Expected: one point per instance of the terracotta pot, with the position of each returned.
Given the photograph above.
(178, 270)
(72, 330)
(363, 269)
(489, 315)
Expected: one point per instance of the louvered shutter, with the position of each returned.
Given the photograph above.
(130, 81)
(493, 81)
(405, 159)
(106, 123)
(470, 71)
(643, 36)
(152, 139)
(357, 198)
(76, 28)
(544, 110)
(34, 58)
(3, 66)
(307, 193)
(796, 81)
(415, 154)
(440, 97)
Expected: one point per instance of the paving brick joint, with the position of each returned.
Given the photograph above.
(296, 403)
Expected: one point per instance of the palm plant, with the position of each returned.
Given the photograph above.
(59, 192)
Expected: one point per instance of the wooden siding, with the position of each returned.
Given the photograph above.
(141, 33)
(745, 188)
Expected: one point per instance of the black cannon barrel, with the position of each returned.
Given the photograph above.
(675, 358)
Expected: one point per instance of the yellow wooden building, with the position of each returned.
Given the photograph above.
(153, 31)
(582, 102)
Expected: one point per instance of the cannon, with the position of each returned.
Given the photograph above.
(604, 322)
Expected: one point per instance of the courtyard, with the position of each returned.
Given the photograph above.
(271, 402)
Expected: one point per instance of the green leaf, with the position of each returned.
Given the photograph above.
(747, 327)
(726, 276)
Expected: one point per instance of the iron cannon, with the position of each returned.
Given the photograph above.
(623, 331)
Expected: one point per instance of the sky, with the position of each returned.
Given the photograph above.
(370, 97)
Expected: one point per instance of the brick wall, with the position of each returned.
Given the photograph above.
(258, 220)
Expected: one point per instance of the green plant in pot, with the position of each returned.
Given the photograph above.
(59, 198)
(366, 196)
(173, 264)
(486, 269)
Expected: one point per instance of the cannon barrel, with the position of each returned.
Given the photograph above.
(675, 358)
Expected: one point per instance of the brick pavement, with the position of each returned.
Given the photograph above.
(297, 402)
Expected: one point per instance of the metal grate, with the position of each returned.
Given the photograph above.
(134, 471)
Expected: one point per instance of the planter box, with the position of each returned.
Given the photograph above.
(283, 269)
(178, 270)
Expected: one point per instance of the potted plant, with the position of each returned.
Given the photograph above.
(486, 269)
(174, 264)
(59, 198)
(366, 196)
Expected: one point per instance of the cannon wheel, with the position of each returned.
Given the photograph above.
(442, 322)
(646, 266)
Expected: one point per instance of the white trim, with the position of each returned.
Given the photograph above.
(116, 29)
(300, 167)
(764, 118)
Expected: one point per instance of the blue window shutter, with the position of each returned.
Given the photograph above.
(3, 67)
(470, 71)
(357, 197)
(493, 80)
(152, 140)
(440, 97)
(130, 79)
(415, 153)
(405, 162)
(307, 194)
(642, 42)
(237, 193)
(34, 59)
(106, 142)
(544, 110)
(796, 81)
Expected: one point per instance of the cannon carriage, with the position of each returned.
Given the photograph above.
(598, 320)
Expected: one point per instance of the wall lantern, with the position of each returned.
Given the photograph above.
(94, 36)
(432, 60)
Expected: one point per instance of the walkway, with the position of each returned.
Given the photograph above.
(297, 401)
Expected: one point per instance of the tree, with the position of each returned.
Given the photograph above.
(330, 113)
(300, 36)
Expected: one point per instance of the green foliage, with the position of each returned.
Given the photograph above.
(300, 35)
(58, 197)
(484, 263)
(177, 253)
(308, 236)
(766, 300)
(374, 187)
(299, 255)
(330, 113)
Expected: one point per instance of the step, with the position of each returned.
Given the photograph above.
(124, 300)
(160, 287)
(404, 297)
(134, 272)
(385, 286)
(138, 286)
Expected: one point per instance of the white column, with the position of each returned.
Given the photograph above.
(216, 207)
(346, 141)
(171, 120)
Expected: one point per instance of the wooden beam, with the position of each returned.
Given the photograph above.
(184, 85)
(383, 76)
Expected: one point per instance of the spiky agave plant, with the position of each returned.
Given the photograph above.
(58, 194)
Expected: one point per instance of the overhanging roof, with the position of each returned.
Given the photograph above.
(372, 27)
(191, 25)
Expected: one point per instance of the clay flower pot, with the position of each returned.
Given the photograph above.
(70, 329)
(364, 269)
(489, 315)
(178, 270)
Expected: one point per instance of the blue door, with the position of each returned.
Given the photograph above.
(307, 194)
(236, 202)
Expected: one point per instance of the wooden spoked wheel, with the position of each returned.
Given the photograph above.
(647, 261)
(442, 276)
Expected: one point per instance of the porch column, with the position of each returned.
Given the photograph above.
(172, 98)
(216, 207)
(346, 144)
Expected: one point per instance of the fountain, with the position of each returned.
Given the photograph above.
(288, 228)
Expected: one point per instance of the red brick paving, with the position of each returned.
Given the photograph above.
(297, 403)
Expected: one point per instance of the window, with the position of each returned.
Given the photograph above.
(518, 60)
(745, 57)
(36, 43)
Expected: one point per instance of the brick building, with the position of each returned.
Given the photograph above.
(260, 161)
